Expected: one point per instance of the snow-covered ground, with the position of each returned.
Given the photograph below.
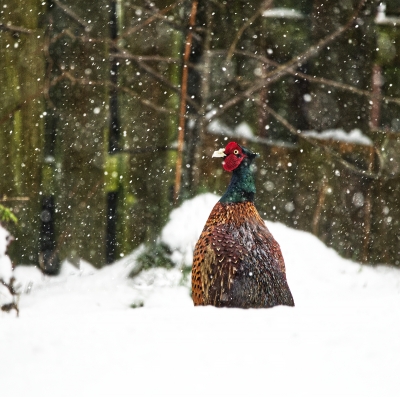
(78, 334)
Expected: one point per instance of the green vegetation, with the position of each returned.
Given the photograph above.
(155, 255)
(6, 215)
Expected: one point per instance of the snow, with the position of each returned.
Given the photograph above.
(382, 19)
(5, 263)
(242, 130)
(195, 216)
(5, 266)
(354, 136)
(79, 333)
(281, 12)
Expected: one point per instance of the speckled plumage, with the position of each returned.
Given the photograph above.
(237, 262)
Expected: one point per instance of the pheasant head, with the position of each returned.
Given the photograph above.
(238, 159)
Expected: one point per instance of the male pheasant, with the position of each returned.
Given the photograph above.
(236, 261)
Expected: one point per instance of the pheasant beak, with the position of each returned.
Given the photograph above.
(219, 153)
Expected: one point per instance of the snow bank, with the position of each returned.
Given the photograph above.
(4, 235)
(6, 271)
(5, 263)
(185, 226)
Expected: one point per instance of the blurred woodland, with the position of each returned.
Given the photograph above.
(110, 111)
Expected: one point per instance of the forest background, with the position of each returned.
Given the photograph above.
(111, 109)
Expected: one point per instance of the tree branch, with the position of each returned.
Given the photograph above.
(365, 173)
(92, 83)
(148, 149)
(145, 58)
(14, 304)
(73, 15)
(15, 29)
(319, 80)
(264, 6)
(157, 76)
(158, 14)
(295, 62)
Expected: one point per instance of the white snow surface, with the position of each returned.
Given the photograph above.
(354, 136)
(4, 234)
(281, 12)
(181, 232)
(77, 334)
(5, 267)
(242, 130)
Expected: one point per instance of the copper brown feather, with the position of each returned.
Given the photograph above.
(237, 262)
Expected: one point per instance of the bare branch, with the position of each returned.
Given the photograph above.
(146, 58)
(368, 213)
(72, 14)
(280, 118)
(314, 142)
(65, 32)
(14, 304)
(146, 102)
(158, 14)
(123, 54)
(6, 199)
(92, 83)
(162, 79)
(148, 149)
(264, 6)
(9, 286)
(316, 48)
(15, 29)
(320, 205)
(296, 61)
(318, 80)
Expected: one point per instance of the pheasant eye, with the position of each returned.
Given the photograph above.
(236, 151)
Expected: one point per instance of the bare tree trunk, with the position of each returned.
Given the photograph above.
(375, 114)
(199, 153)
(182, 109)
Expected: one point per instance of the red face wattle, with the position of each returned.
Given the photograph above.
(234, 156)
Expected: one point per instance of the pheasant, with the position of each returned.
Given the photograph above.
(236, 261)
